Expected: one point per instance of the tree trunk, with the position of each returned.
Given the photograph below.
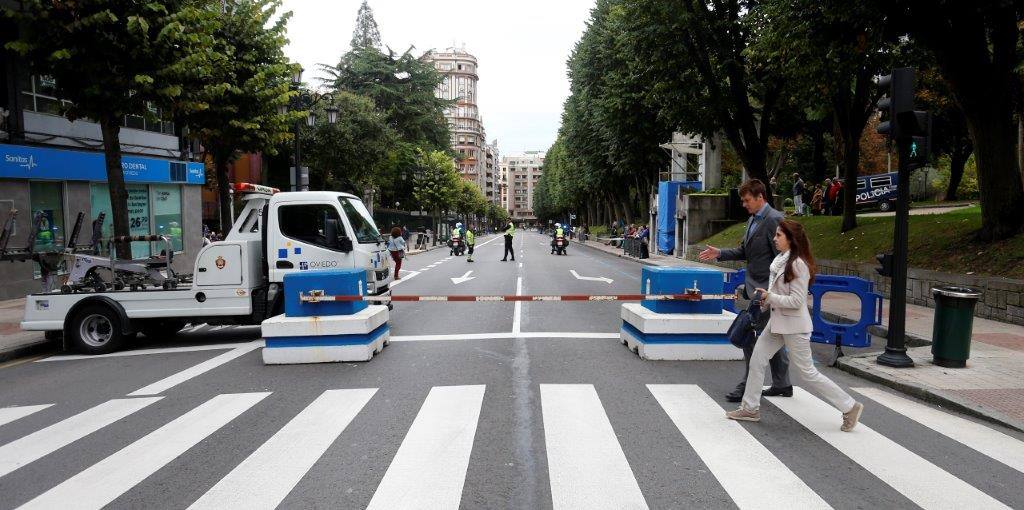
(1002, 191)
(957, 161)
(818, 158)
(223, 193)
(851, 161)
(627, 210)
(110, 126)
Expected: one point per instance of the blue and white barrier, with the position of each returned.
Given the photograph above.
(679, 330)
(329, 331)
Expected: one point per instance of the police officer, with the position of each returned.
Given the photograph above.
(456, 234)
(510, 231)
(470, 242)
(559, 232)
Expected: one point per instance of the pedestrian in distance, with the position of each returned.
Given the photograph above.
(798, 194)
(397, 246)
(792, 273)
(757, 248)
(826, 202)
(509, 233)
(817, 200)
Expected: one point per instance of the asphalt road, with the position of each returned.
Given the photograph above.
(473, 405)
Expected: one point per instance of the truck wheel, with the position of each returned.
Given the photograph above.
(96, 329)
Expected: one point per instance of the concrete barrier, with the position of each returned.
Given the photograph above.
(329, 331)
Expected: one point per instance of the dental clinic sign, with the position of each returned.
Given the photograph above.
(21, 162)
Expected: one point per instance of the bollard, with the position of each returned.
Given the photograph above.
(679, 330)
(324, 332)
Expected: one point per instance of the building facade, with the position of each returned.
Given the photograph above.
(476, 159)
(53, 169)
(521, 173)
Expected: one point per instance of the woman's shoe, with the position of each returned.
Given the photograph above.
(851, 418)
(743, 414)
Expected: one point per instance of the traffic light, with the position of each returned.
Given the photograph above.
(885, 259)
(898, 101)
(919, 153)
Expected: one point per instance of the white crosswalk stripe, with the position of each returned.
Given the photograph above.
(269, 474)
(924, 483)
(738, 461)
(9, 414)
(586, 465)
(984, 439)
(429, 469)
(104, 481)
(22, 451)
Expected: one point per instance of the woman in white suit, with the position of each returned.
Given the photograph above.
(792, 273)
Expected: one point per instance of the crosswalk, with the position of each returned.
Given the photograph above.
(588, 464)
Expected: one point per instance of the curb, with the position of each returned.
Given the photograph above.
(646, 262)
(936, 397)
(22, 351)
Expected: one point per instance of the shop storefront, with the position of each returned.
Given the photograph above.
(164, 197)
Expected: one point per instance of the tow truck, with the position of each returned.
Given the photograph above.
(237, 281)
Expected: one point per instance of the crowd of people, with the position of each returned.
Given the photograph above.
(825, 198)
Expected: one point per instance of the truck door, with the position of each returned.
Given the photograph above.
(299, 242)
(219, 264)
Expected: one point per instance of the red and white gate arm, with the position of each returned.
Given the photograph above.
(315, 296)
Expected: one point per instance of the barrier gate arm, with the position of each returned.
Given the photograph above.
(316, 296)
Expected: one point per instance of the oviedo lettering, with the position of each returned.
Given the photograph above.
(318, 264)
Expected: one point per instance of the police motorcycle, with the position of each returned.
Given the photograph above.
(456, 245)
(558, 242)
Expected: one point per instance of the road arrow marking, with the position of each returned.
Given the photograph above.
(591, 278)
(463, 278)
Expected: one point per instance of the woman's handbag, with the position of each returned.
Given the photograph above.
(742, 332)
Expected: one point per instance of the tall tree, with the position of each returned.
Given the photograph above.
(244, 90)
(437, 182)
(977, 48)
(352, 153)
(366, 33)
(950, 135)
(112, 58)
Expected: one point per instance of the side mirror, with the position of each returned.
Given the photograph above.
(331, 229)
(345, 244)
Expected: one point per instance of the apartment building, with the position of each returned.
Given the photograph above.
(521, 173)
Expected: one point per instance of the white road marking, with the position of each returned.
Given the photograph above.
(411, 275)
(193, 328)
(106, 480)
(464, 278)
(9, 414)
(504, 335)
(429, 469)
(266, 477)
(922, 482)
(163, 350)
(591, 278)
(195, 371)
(737, 460)
(45, 441)
(586, 465)
(517, 312)
(985, 440)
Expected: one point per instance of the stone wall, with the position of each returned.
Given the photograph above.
(1002, 298)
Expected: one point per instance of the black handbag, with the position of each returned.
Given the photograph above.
(743, 331)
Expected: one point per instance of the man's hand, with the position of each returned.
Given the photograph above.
(711, 253)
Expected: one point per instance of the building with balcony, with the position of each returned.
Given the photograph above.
(521, 173)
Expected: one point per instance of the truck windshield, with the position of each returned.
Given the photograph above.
(360, 219)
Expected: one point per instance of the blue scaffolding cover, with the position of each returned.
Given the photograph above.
(667, 192)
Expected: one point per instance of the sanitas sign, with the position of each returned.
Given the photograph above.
(20, 162)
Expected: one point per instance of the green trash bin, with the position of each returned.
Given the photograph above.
(954, 320)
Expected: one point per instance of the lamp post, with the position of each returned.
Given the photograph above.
(305, 100)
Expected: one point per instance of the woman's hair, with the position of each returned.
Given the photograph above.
(799, 247)
(396, 232)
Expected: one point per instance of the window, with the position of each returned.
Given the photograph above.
(878, 182)
(41, 94)
(178, 171)
(307, 222)
(138, 214)
(47, 199)
(360, 219)
(167, 215)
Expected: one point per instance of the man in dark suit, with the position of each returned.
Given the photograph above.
(758, 249)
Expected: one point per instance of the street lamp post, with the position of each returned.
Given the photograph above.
(306, 100)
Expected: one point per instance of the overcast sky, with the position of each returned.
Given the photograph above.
(522, 46)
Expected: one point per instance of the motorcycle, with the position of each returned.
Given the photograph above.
(560, 245)
(457, 247)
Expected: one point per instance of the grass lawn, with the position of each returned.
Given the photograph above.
(941, 242)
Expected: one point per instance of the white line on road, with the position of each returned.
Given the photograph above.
(922, 482)
(266, 477)
(720, 443)
(197, 370)
(106, 480)
(162, 350)
(517, 313)
(990, 442)
(586, 465)
(464, 278)
(429, 469)
(9, 414)
(45, 441)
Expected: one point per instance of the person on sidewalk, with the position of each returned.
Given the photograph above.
(792, 273)
(510, 231)
(758, 250)
(396, 245)
(798, 194)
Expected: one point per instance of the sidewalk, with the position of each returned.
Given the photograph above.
(15, 343)
(990, 387)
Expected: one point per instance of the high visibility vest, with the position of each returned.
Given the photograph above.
(511, 229)
(457, 233)
(559, 232)
(470, 237)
